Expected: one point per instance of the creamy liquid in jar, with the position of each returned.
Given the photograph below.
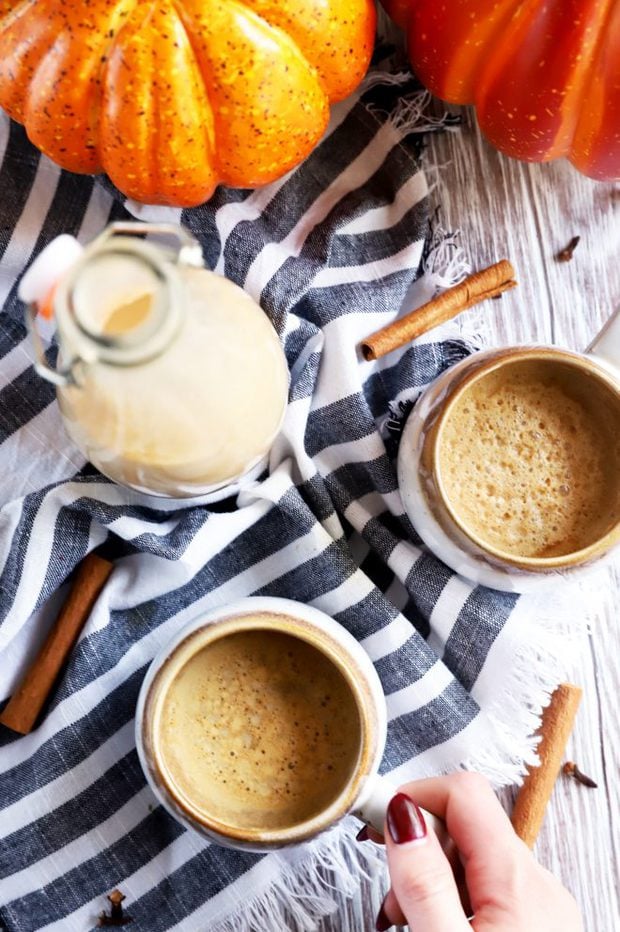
(201, 413)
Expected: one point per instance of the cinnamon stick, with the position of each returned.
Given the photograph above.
(488, 283)
(27, 701)
(556, 726)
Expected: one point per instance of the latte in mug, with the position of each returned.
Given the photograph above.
(258, 730)
(521, 461)
(262, 724)
(529, 458)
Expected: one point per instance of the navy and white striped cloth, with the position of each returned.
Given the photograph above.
(330, 251)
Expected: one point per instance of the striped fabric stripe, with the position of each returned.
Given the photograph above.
(330, 250)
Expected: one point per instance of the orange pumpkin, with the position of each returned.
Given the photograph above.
(544, 74)
(172, 98)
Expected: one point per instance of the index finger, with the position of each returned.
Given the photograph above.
(476, 822)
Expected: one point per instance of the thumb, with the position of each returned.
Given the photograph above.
(422, 879)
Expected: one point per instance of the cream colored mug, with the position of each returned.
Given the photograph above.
(509, 463)
(262, 724)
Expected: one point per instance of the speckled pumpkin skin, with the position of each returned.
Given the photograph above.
(171, 99)
(544, 74)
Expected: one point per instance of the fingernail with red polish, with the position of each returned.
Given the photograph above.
(382, 922)
(405, 820)
(362, 835)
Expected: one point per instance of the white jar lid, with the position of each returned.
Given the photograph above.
(48, 268)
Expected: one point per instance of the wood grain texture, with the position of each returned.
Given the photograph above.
(528, 213)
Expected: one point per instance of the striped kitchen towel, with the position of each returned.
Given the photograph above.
(329, 251)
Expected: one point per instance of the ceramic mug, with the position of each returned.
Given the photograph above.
(364, 792)
(456, 507)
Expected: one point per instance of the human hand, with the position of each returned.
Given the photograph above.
(509, 891)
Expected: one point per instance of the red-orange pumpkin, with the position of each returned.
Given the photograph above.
(172, 98)
(544, 74)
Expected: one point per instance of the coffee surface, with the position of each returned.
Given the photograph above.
(530, 459)
(259, 730)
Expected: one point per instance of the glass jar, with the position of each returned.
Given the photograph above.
(171, 379)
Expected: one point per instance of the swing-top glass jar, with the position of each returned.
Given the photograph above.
(171, 379)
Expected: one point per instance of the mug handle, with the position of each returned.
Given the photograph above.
(372, 804)
(605, 347)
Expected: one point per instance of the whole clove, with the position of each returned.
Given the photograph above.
(117, 917)
(566, 254)
(571, 769)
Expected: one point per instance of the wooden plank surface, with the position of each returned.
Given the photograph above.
(527, 213)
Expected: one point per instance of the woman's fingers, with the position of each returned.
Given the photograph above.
(476, 821)
(368, 833)
(390, 913)
(508, 889)
(422, 879)
(467, 804)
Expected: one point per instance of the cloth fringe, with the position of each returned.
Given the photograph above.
(444, 264)
(444, 261)
(539, 644)
(412, 113)
(377, 77)
(548, 632)
(305, 892)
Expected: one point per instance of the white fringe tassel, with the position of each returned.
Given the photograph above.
(537, 646)
(308, 888)
(385, 78)
(446, 263)
(412, 113)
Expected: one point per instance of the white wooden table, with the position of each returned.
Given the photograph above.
(527, 213)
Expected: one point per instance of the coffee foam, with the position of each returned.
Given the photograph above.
(529, 459)
(259, 731)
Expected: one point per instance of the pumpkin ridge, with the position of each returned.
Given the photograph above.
(166, 175)
(224, 103)
(156, 123)
(477, 70)
(247, 8)
(131, 28)
(207, 79)
(503, 42)
(314, 36)
(121, 11)
(597, 46)
(155, 116)
(189, 33)
(284, 37)
(569, 109)
(12, 102)
(63, 107)
(14, 13)
(540, 127)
